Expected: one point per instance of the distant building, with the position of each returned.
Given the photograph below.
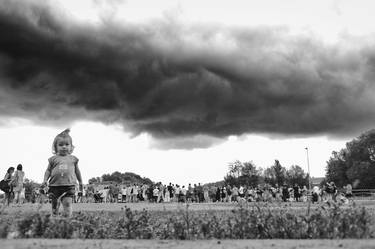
(315, 181)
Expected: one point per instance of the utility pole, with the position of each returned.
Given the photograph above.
(308, 166)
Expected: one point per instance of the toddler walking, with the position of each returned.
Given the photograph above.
(62, 174)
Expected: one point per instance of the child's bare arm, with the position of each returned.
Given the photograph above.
(47, 174)
(79, 177)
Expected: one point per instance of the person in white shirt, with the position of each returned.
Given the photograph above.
(183, 194)
(315, 194)
(156, 193)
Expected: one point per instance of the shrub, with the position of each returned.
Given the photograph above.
(329, 221)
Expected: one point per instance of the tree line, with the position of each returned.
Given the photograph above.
(248, 174)
(124, 178)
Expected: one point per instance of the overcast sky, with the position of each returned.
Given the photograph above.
(175, 90)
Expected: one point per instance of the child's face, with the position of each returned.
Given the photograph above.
(63, 146)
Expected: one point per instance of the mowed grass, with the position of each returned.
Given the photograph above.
(173, 206)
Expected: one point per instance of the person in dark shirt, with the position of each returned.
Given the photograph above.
(8, 187)
(285, 193)
(296, 192)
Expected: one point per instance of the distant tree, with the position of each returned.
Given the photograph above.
(114, 177)
(250, 175)
(337, 168)
(355, 164)
(296, 175)
(242, 174)
(276, 174)
(94, 180)
(117, 177)
(235, 168)
(247, 174)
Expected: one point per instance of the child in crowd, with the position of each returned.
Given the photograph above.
(62, 173)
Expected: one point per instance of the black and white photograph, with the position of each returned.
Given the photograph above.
(187, 124)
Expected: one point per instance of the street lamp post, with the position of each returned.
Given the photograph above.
(308, 166)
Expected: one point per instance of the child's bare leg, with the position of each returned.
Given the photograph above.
(67, 205)
(55, 206)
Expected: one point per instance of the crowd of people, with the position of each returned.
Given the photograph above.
(198, 193)
(192, 193)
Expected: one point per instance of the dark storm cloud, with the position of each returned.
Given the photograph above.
(178, 81)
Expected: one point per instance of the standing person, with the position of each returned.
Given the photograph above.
(331, 191)
(334, 191)
(144, 192)
(123, 194)
(17, 183)
(349, 192)
(200, 193)
(217, 195)
(150, 193)
(241, 192)
(110, 192)
(189, 193)
(167, 194)
(128, 193)
(183, 192)
(116, 192)
(195, 194)
(62, 173)
(177, 192)
(229, 194)
(234, 193)
(305, 193)
(296, 192)
(156, 194)
(285, 193)
(315, 194)
(223, 193)
(170, 190)
(206, 195)
(161, 193)
(134, 193)
(7, 186)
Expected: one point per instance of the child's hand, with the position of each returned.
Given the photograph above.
(44, 184)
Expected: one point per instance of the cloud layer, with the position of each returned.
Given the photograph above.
(174, 80)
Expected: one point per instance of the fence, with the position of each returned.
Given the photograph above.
(364, 193)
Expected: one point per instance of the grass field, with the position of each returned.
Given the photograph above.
(117, 207)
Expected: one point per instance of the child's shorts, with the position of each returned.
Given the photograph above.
(57, 191)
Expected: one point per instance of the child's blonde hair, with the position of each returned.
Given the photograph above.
(64, 134)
